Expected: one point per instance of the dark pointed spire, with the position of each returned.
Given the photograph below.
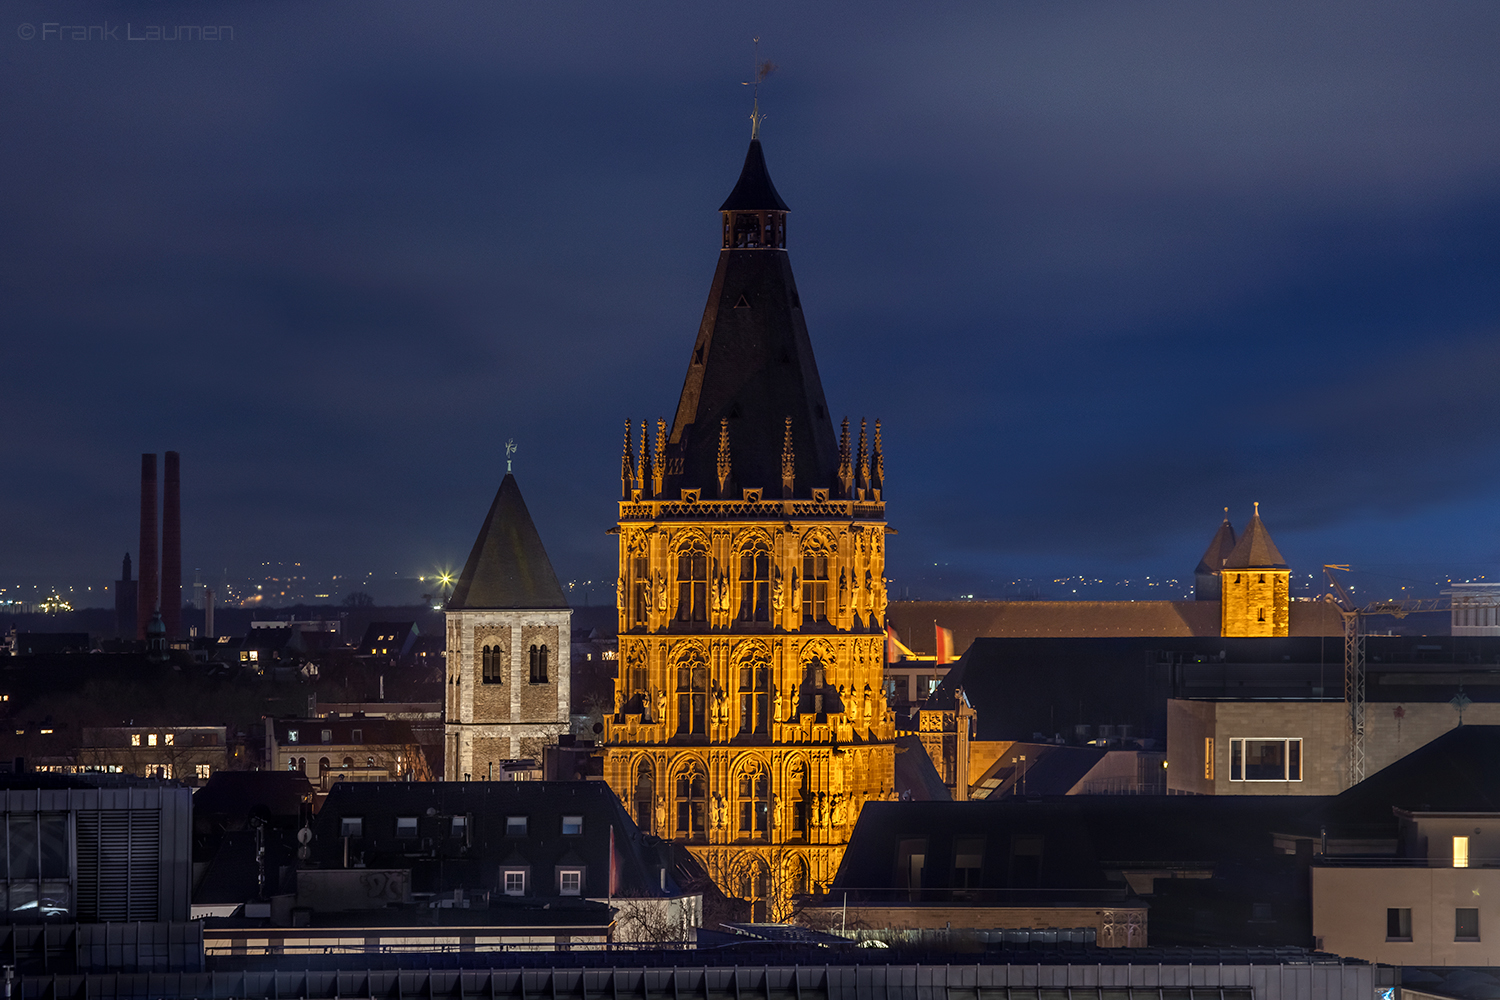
(627, 467)
(508, 568)
(862, 470)
(877, 460)
(752, 360)
(659, 461)
(1255, 550)
(754, 192)
(1219, 548)
(846, 466)
(640, 466)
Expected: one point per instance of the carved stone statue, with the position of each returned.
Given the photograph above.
(718, 811)
(661, 817)
(796, 594)
(843, 588)
(777, 595)
(851, 706)
(780, 706)
(661, 591)
(620, 593)
(868, 719)
(661, 707)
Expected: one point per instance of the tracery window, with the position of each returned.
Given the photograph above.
(539, 664)
(692, 584)
(492, 660)
(815, 587)
(755, 804)
(801, 803)
(754, 699)
(755, 585)
(641, 572)
(692, 803)
(692, 698)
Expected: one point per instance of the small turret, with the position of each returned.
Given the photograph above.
(1255, 585)
(1206, 576)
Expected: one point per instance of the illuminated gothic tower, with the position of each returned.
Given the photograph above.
(750, 719)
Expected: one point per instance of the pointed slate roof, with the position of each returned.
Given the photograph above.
(1219, 549)
(1255, 550)
(752, 364)
(754, 191)
(508, 567)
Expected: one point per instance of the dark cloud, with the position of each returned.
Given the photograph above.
(1101, 270)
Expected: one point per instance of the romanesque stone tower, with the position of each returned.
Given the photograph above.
(508, 655)
(1255, 585)
(750, 720)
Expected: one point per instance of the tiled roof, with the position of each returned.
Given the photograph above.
(508, 566)
(1255, 550)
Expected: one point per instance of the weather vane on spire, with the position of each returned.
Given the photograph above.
(510, 449)
(761, 71)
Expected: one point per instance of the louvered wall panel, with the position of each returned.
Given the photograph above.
(119, 865)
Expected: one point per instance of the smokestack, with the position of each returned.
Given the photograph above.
(171, 550)
(208, 612)
(147, 589)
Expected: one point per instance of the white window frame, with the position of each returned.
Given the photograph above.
(576, 822)
(406, 828)
(563, 876)
(508, 878)
(512, 822)
(1237, 754)
(459, 826)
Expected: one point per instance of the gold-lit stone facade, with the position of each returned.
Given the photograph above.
(750, 719)
(1255, 602)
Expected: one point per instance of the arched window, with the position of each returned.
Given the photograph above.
(302, 764)
(348, 761)
(641, 572)
(815, 587)
(755, 585)
(799, 877)
(324, 764)
(692, 698)
(755, 804)
(692, 804)
(645, 796)
(539, 664)
(754, 699)
(493, 662)
(369, 762)
(692, 583)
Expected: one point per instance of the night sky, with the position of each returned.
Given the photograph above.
(1101, 269)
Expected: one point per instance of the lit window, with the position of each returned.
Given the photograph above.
(1265, 760)
(515, 826)
(328, 736)
(352, 826)
(151, 739)
(1208, 758)
(570, 882)
(166, 738)
(515, 882)
(406, 826)
(572, 826)
(202, 769)
(291, 736)
(135, 739)
(1460, 852)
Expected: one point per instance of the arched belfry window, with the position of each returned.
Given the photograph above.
(539, 664)
(692, 803)
(492, 662)
(692, 583)
(755, 585)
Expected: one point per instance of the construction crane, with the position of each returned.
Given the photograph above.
(1354, 655)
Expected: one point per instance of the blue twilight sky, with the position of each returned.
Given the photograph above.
(1102, 269)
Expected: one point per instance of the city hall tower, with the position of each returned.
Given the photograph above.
(750, 721)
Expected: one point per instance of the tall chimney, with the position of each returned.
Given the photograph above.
(171, 550)
(148, 588)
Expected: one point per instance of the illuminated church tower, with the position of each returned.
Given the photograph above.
(750, 720)
(1255, 585)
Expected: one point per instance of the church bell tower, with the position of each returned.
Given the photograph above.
(750, 719)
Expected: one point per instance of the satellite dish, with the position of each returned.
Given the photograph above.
(304, 836)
